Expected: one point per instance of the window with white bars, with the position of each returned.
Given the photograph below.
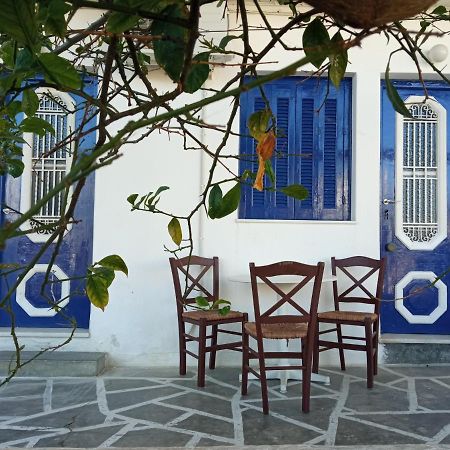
(421, 162)
(49, 159)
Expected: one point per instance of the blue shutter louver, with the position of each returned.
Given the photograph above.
(329, 155)
(306, 149)
(280, 160)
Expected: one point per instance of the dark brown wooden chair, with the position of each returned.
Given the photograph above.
(273, 324)
(356, 291)
(192, 277)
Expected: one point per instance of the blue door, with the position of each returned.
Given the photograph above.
(414, 210)
(30, 304)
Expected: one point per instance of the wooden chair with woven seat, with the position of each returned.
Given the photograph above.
(356, 290)
(270, 324)
(192, 277)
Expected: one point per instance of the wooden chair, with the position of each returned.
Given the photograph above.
(190, 279)
(269, 324)
(358, 292)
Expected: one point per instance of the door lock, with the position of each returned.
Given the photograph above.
(388, 201)
(390, 247)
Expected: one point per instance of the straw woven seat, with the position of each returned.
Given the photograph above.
(278, 330)
(350, 316)
(211, 315)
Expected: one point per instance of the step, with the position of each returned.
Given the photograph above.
(56, 364)
(428, 352)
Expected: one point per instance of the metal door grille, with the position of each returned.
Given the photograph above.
(50, 160)
(420, 174)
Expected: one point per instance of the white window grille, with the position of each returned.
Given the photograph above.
(47, 160)
(420, 171)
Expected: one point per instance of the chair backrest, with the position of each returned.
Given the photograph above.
(299, 276)
(365, 276)
(194, 276)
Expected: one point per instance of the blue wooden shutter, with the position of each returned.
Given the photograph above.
(268, 204)
(324, 137)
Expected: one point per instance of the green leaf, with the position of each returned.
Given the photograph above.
(15, 167)
(104, 272)
(219, 302)
(55, 22)
(120, 22)
(269, 170)
(225, 310)
(132, 198)
(174, 228)
(214, 200)
(170, 42)
(97, 291)
(316, 42)
(25, 61)
(7, 54)
(440, 10)
(394, 98)
(19, 21)
(229, 202)
(36, 125)
(338, 60)
(226, 39)
(30, 102)
(296, 191)
(258, 123)
(202, 302)
(198, 73)
(59, 71)
(114, 262)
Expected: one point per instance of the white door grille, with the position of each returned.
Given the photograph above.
(49, 166)
(421, 175)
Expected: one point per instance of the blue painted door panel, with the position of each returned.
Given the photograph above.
(419, 299)
(74, 256)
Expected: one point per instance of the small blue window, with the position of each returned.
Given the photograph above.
(313, 149)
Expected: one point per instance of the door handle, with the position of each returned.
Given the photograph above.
(388, 201)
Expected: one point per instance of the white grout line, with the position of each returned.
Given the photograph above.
(334, 416)
(412, 394)
(47, 397)
(438, 437)
(237, 419)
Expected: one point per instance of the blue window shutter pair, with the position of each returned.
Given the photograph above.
(313, 149)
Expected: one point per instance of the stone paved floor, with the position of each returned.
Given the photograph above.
(143, 408)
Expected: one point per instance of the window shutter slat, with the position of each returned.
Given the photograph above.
(329, 155)
(281, 162)
(306, 149)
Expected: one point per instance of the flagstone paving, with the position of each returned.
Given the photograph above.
(150, 408)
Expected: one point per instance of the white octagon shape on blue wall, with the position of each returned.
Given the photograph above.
(28, 307)
(434, 315)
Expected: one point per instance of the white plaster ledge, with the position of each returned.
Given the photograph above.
(391, 338)
(44, 333)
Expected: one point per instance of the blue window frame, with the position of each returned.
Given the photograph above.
(313, 149)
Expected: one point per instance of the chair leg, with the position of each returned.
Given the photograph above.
(212, 356)
(245, 362)
(369, 352)
(201, 354)
(341, 349)
(306, 377)
(316, 353)
(375, 344)
(262, 377)
(182, 344)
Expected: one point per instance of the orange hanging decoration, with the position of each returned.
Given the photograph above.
(265, 148)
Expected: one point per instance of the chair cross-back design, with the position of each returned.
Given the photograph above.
(274, 323)
(191, 278)
(357, 293)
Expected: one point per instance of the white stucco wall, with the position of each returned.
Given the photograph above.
(139, 325)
